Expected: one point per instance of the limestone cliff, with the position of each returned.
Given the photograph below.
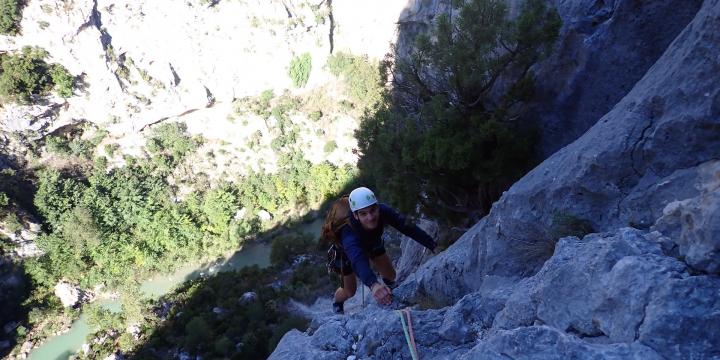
(644, 285)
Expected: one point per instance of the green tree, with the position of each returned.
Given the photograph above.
(198, 332)
(9, 16)
(26, 74)
(169, 143)
(64, 82)
(299, 69)
(455, 146)
(56, 195)
(219, 207)
(4, 200)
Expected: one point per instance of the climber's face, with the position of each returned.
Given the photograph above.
(368, 217)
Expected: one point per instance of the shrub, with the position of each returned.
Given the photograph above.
(315, 115)
(299, 70)
(169, 143)
(362, 77)
(259, 105)
(27, 74)
(110, 149)
(564, 224)
(330, 146)
(62, 79)
(9, 16)
(24, 75)
(12, 223)
(4, 200)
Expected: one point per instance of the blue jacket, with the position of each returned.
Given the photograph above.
(357, 241)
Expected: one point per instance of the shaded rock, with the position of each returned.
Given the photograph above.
(683, 320)
(474, 313)
(543, 342)
(413, 254)
(248, 297)
(595, 286)
(604, 48)
(693, 225)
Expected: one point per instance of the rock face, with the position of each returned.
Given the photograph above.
(68, 294)
(611, 295)
(134, 72)
(24, 240)
(604, 48)
(644, 285)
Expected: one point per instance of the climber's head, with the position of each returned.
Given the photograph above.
(364, 206)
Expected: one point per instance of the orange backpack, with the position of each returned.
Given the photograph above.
(337, 217)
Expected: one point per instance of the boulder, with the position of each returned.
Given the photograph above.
(68, 294)
(693, 226)
(682, 321)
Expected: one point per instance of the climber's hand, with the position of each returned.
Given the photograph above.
(382, 294)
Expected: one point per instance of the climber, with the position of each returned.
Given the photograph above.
(360, 243)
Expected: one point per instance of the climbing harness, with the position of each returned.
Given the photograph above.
(408, 330)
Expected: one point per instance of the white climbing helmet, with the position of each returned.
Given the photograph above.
(361, 198)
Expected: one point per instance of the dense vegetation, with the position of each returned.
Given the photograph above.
(26, 74)
(238, 315)
(113, 227)
(443, 138)
(10, 14)
(230, 315)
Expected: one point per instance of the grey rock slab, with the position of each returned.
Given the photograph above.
(603, 49)
(683, 320)
(597, 286)
(294, 345)
(693, 225)
(375, 333)
(465, 320)
(413, 254)
(629, 287)
(543, 342)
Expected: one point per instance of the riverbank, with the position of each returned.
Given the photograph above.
(71, 339)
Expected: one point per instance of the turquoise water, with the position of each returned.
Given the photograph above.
(63, 346)
(253, 254)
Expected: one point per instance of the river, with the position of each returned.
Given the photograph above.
(63, 346)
